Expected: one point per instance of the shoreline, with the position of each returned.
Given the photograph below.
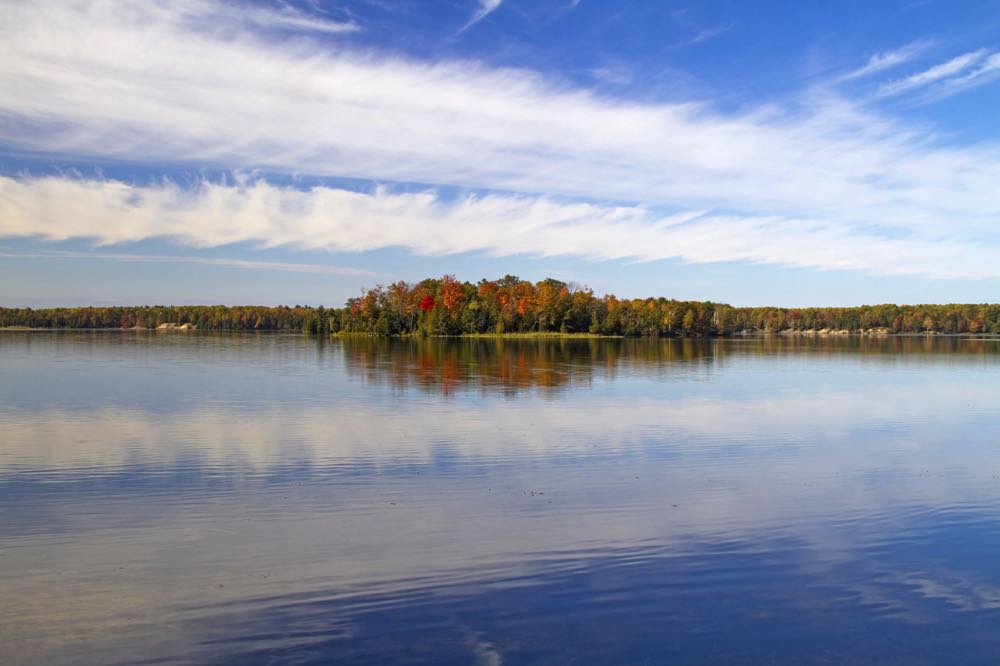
(787, 333)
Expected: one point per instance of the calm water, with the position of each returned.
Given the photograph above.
(246, 499)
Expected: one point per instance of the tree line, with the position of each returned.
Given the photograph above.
(204, 317)
(447, 306)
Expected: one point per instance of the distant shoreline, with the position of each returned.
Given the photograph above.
(511, 307)
(512, 336)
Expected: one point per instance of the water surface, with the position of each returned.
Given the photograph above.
(172, 498)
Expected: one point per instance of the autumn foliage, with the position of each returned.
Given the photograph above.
(511, 305)
(447, 306)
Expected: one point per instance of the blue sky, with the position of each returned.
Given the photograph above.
(296, 152)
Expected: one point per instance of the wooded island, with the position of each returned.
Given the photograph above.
(510, 305)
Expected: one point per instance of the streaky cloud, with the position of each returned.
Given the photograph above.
(704, 35)
(292, 19)
(213, 15)
(817, 174)
(486, 7)
(933, 74)
(987, 71)
(886, 60)
(248, 264)
(339, 220)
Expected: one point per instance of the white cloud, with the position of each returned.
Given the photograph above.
(335, 219)
(704, 35)
(887, 60)
(986, 72)
(934, 74)
(485, 8)
(292, 19)
(289, 267)
(211, 14)
(802, 186)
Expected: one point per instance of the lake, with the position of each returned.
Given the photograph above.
(209, 498)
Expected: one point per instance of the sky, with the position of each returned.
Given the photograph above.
(280, 152)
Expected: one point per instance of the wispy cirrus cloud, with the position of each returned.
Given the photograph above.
(805, 184)
(287, 17)
(704, 35)
(485, 8)
(221, 18)
(932, 75)
(987, 71)
(886, 60)
(225, 262)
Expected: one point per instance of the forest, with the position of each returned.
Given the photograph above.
(509, 305)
